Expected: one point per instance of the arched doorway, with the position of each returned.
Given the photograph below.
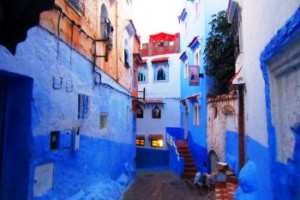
(213, 158)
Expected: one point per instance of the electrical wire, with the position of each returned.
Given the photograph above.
(106, 85)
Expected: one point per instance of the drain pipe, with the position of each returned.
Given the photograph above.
(241, 126)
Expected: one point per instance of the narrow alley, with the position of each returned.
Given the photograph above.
(149, 99)
(164, 185)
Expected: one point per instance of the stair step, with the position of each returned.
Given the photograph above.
(185, 155)
(188, 159)
(188, 174)
(183, 151)
(189, 167)
(187, 164)
(181, 143)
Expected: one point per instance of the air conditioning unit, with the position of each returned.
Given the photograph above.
(231, 10)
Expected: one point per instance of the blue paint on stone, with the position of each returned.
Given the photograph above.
(96, 160)
(151, 158)
(199, 154)
(258, 155)
(105, 160)
(248, 182)
(176, 163)
(284, 178)
(232, 151)
(176, 133)
(287, 177)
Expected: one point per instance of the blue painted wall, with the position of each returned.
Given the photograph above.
(176, 163)
(176, 133)
(105, 159)
(232, 150)
(284, 177)
(199, 154)
(198, 25)
(96, 161)
(152, 158)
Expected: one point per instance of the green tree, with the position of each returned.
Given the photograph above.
(219, 52)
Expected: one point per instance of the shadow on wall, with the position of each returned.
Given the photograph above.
(16, 97)
(199, 154)
(232, 151)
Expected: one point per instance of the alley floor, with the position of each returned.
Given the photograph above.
(164, 185)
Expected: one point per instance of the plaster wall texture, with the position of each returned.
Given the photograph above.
(279, 65)
(118, 12)
(221, 117)
(47, 60)
(274, 165)
(260, 32)
(124, 41)
(169, 91)
(170, 117)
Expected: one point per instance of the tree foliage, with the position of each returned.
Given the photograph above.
(219, 52)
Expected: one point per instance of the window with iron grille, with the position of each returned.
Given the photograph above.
(77, 4)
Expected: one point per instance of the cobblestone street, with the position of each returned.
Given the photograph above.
(164, 185)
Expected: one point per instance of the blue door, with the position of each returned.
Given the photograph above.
(3, 88)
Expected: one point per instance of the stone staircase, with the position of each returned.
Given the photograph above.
(189, 166)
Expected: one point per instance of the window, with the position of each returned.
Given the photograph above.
(161, 72)
(103, 121)
(78, 5)
(126, 59)
(142, 74)
(186, 69)
(216, 112)
(157, 143)
(156, 140)
(196, 114)
(127, 55)
(103, 22)
(156, 113)
(83, 106)
(140, 113)
(140, 140)
(197, 58)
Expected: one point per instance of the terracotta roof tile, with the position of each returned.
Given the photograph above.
(155, 136)
(153, 101)
(160, 59)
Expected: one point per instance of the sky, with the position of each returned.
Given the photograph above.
(154, 16)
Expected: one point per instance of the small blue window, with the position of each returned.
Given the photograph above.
(161, 72)
(142, 74)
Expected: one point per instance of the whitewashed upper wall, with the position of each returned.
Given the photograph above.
(260, 21)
